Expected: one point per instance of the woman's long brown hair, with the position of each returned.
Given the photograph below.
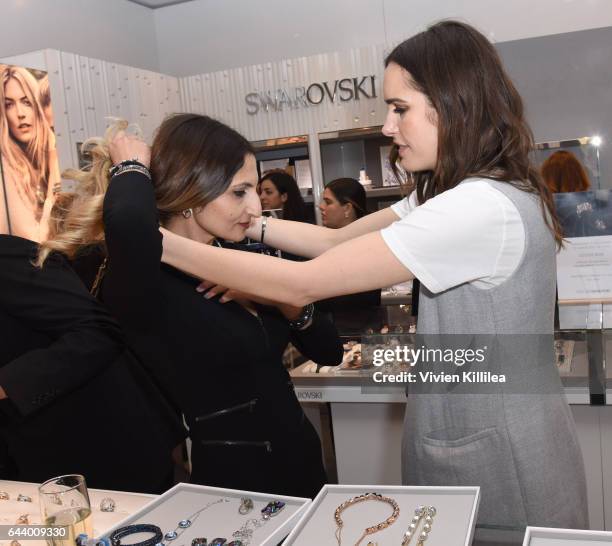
(482, 131)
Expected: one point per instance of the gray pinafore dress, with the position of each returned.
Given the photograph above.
(520, 447)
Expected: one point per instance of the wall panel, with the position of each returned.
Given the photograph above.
(222, 94)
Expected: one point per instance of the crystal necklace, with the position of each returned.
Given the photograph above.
(242, 536)
(186, 523)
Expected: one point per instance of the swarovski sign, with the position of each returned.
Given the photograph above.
(344, 90)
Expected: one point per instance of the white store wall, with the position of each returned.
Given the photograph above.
(209, 35)
(113, 30)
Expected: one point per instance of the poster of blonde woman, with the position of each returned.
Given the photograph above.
(30, 170)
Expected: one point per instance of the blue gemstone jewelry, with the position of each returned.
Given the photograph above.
(188, 522)
(241, 537)
(116, 536)
(272, 509)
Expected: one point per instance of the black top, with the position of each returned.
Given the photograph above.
(76, 396)
(218, 362)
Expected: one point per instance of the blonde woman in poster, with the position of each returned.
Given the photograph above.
(29, 159)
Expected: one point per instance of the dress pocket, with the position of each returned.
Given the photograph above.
(473, 457)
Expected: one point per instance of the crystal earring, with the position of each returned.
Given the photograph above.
(187, 213)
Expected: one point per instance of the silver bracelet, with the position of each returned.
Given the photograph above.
(264, 223)
(132, 168)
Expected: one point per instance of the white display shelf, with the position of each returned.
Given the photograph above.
(453, 524)
(543, 536)
(220, 520)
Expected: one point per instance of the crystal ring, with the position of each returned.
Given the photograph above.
(24, 498)
(246, 505)
(4, 495)
(107, 505)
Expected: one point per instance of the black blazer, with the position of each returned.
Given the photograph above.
(78, 401)
(219, 363)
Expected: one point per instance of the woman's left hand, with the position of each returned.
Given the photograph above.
(125, 146)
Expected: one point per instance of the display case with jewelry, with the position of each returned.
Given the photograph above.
(357, 515)
(545, 536)
(194, 515)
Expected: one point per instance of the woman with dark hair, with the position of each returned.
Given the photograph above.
(562, 173)
(344, 201)
(480, 232)
(279, 190)
(219, 363)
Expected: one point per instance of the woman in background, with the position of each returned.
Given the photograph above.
(562, 173)
(278, 190)
(344, 201)
(29, 158)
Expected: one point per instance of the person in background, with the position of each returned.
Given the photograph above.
(278, 190)
(344, 201)
(73, 399)
(29, 158)
(562, 173)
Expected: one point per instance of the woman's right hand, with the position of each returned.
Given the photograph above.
(124, 147)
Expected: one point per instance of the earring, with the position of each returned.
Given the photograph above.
(346, 215)
(187, 213)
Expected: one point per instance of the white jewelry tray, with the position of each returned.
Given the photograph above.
(453, 524)
(220, 520)
(544, 536)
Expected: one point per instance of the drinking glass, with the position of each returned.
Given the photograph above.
(64, 502)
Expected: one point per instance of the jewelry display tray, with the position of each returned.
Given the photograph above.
(544, 536)
(453, 524)
(220, 520)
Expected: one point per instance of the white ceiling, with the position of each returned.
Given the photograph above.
(154, 4)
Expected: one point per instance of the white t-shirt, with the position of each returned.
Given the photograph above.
(470, 234)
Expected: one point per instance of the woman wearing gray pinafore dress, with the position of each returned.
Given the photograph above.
(518, 444)
(480, 232)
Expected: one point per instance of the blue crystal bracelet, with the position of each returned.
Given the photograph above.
(122, 532)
